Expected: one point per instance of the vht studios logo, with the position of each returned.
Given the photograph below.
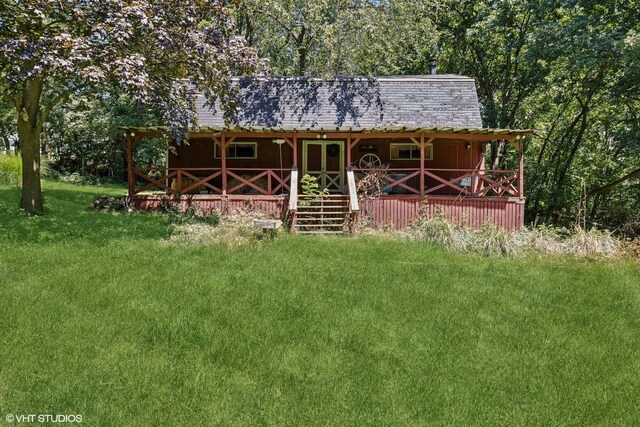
(43, 418)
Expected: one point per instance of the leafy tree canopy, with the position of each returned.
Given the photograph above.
(51, 49)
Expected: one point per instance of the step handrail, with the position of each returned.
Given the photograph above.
(293, 190)
(353, 195)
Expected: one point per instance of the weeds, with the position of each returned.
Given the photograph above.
(491, 240)
(194, 225)
(231, 231)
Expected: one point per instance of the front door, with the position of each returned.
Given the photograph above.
(324, 160)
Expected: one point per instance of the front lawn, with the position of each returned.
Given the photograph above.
(100, 318)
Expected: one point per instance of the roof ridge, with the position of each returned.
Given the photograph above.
(412, 78)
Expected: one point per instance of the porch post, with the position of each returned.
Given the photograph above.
(130, 177)
(421, 164)
(520, 168)
(295, 150)
(223, 161)
(349, 150)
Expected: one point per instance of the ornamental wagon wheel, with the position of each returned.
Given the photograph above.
(369, 161)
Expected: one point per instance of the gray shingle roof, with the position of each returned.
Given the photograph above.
(302, 103)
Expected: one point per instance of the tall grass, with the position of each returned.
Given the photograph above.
(10, 170)
(495, 241)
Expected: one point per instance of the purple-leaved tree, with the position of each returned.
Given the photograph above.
(51, 49)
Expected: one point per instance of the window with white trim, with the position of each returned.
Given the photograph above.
(400, 151)
(239, 150)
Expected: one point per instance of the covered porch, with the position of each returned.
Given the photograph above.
(425, 170)
(420, 162)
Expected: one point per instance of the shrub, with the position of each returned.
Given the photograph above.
(10, 170)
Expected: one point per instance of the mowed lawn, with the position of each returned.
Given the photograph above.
(99, 318)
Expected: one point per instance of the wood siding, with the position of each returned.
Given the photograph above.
(399, 211)
(388, 211)
(270, 206)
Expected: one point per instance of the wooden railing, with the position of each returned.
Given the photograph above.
(293, 194)
(354, 208)
(467, 182)
(211, 180)
(256, 180)
(353, 194)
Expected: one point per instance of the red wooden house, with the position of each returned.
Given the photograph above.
(423, 134)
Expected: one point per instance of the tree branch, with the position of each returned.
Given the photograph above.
(47, 109)
(614, 183)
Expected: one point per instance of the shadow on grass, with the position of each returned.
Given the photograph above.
(69, 216)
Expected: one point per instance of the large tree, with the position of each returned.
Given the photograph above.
(52, 49)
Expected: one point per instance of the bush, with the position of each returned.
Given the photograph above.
(10, 170)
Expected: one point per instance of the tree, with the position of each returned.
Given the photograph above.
(296, 34)
(495, 43)
(340, 37)
(50, 50)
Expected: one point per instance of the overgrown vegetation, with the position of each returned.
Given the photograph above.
(310, 187)
(495, 241)
(10, 170)
(371, 184)
(102, 317)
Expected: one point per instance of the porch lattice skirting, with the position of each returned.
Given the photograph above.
(393, 211)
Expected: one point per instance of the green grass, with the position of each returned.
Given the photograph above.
(100, 319)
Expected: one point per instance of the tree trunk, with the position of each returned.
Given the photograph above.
(29, 140)
(31, 189)
(7, 143)
(497, 147)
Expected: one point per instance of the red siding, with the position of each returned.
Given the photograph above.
(392, 211)
(273, 206)
(399, 211)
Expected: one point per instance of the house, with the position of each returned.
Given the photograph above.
(421, 135)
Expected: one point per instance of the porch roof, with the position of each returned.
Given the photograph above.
(461, 132)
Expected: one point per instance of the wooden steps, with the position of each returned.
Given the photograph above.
(321, 215)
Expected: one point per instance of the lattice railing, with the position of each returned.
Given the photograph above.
(210, 180)
(467, 182)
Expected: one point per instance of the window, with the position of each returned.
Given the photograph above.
(410, 152)
(239, 150)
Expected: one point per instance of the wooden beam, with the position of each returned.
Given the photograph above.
(295, 151)
(355, 141)
(130, 176)
(223, 158)
(349, 151)
(421, 145)
(520, 168)
(360, 136)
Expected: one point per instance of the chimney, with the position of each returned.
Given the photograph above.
(433, 62)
